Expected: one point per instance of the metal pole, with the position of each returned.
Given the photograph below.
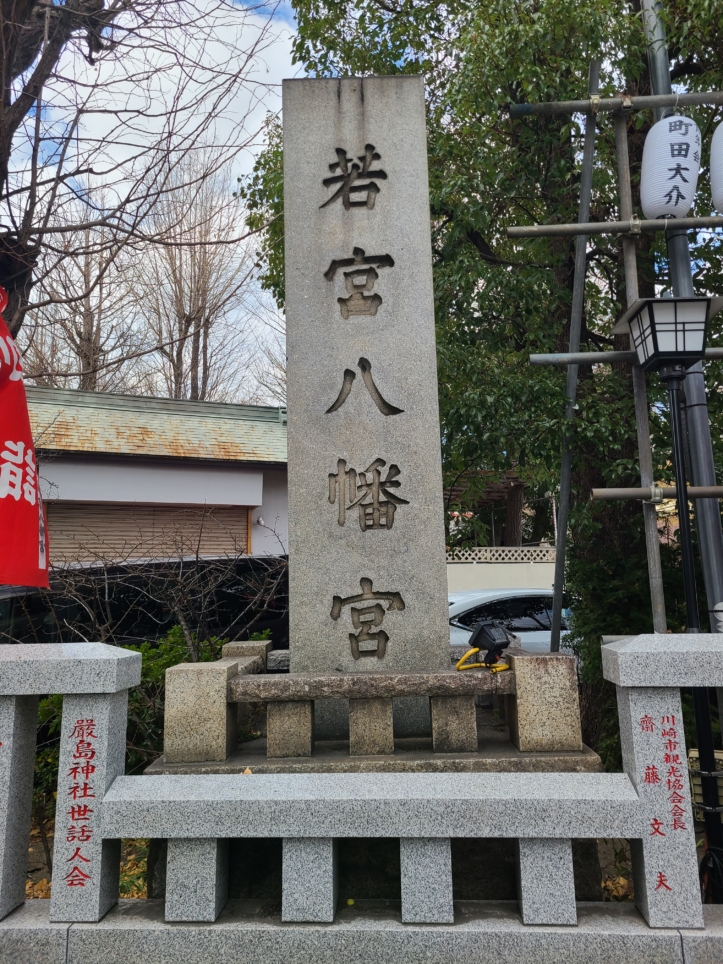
(707, 515)
(594, 104)
(672, 377)
(578, 300)
(600, 357)
(640, 393)
(631, 226)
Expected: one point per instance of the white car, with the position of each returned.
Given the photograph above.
(524, 612)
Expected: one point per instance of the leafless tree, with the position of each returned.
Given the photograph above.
(192, 292)
(150, 584)
(117, 95)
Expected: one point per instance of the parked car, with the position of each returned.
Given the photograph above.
(525, 612)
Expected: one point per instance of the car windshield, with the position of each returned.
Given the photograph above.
(520, 614)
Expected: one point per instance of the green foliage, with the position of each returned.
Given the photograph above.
(146, 702)
(262, 191)
(261, 636)
(145, 716)
(498, 300)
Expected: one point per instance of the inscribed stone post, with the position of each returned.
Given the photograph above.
(92, 755)
(665, 866)
(367, 571)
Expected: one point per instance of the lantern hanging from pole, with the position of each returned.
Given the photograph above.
(716, 168)
(671, 162)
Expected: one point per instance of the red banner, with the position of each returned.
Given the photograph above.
(23, 537)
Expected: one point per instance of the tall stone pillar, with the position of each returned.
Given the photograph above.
(367, 577)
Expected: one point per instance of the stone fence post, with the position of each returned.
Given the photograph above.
(94, 680)
(648, 672)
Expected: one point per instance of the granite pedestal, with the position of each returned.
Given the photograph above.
(546, 882)
(426, 864)
(18, 726)
(310, 879)
(196, 879)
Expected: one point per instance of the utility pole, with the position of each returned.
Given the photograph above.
(707, 511)
(707, 514)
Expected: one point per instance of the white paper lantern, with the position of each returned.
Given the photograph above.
(716, 168)
(671, 162)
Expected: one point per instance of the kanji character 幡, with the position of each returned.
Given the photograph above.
(368, 491)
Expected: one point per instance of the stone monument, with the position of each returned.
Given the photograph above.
(367, 576)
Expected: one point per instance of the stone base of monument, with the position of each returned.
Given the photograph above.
(251, 931)
(496, 752)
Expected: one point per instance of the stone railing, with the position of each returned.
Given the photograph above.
(649, 804)
(503, 554)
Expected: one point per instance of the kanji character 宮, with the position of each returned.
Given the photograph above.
(350, 173)
(84, 730)
(77, 791)
(366, 643)
(651, 775)
(76, 877)
(376, 503)
(662, 882)
(360, 279)
(82, 834)
(647, 724)
(657, 825)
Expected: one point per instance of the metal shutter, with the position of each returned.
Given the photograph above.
(111, 532)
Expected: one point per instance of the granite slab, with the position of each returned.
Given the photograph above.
(40, 669)
(366, 686)
(665, 659)
(374, 805)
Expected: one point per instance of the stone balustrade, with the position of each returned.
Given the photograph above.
(649, 804)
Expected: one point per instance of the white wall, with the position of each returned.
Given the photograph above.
(272, 539)
(155, 482)
(499, 575)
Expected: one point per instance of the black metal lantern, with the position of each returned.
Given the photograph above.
(668, 331)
